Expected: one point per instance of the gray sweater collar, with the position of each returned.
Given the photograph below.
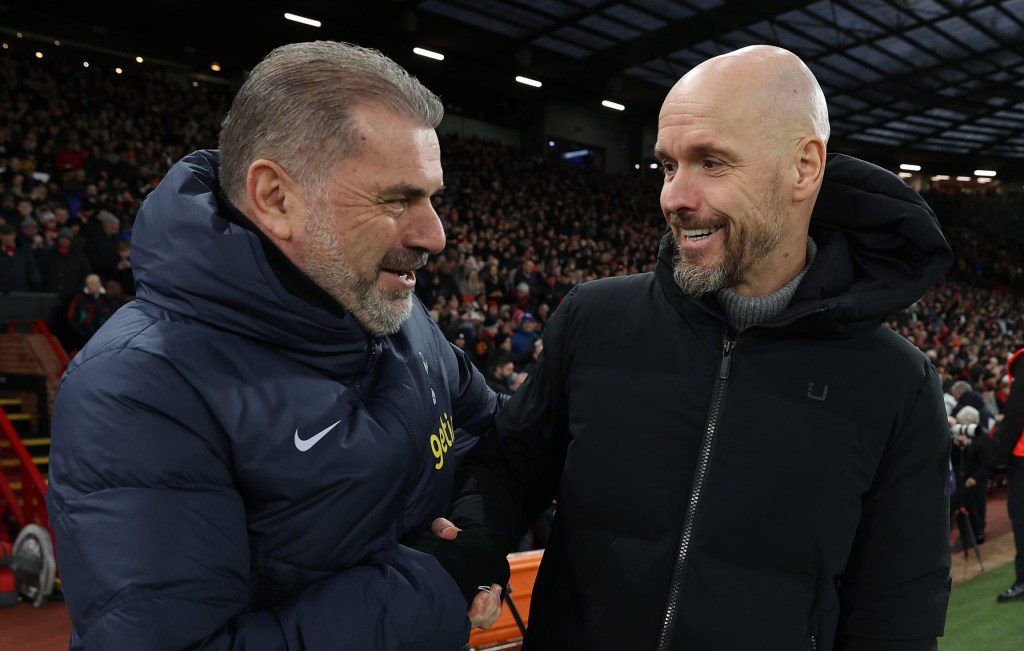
(746, 311)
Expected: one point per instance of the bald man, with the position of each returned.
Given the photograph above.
(742, 455)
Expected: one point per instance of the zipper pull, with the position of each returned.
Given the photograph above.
(723, 367)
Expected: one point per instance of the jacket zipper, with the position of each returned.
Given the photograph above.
(366, 367)
(703, 464)
(413, 468)
(816, 632)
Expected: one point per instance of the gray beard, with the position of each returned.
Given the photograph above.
(380, 313)
(697, 281)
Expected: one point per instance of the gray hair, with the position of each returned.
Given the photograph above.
(296, 109)
(960, 387)
(968, 416)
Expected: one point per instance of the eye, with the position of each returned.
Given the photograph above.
(711, 164)
(668, 167)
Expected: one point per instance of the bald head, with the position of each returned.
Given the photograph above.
(742, 139)
(768, 88)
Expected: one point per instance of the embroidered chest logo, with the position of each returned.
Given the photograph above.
(442, 440)
(821, 394)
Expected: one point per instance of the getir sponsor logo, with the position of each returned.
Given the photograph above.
(442, 440)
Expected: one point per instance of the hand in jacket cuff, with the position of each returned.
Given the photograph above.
(472, 559)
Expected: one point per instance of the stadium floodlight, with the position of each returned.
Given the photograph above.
(39, 55)
(905, 175)
(963, 178)
(636, 166)
(302, 19)
(984, 179)
(215, 66)
(138, 59)
(57, 43)
(908, 167)
(529, 82)
(984, 172)
(195, 84)
(6, 46)
(430, 54)
(654, 166)
(940, 177)
(85, 64)
(613, 105)
(118, 70)
(579, 153)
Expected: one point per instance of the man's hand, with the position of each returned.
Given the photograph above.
(486, 606)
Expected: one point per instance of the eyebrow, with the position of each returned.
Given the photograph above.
(700, 148)
(408, 191)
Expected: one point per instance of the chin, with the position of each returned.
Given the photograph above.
(386, 316)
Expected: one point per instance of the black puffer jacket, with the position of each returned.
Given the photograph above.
(785, 489)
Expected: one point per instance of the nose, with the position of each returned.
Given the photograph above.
(681, 193)
(424, 229)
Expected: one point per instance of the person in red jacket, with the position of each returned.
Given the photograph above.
(1010, 448)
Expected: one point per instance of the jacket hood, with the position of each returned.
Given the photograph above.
(1015, 364)
(190, 259)
(880, 248)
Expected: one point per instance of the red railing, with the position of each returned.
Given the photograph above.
(38, 327)
(32, 509)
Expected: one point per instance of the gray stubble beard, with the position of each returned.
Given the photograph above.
(326, 265)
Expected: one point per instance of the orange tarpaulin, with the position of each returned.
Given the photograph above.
(524, 571)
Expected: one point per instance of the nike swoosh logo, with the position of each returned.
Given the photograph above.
(304, 445)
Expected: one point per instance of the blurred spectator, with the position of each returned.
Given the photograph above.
(115, 294)
(102, 247)
(123, 273)
(499, 376)
(968, 397)
(526, 335)
(973, 452)
(64, 267)
(89, 310)
(18, 270)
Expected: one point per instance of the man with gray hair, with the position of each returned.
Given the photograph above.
(238, 453)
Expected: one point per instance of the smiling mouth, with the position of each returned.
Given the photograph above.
(409, 275)
(697, 234)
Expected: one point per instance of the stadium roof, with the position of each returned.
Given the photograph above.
(917, 76)
(944, 75)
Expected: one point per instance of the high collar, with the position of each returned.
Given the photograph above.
(198, 258)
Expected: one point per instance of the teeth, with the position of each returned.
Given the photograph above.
(699, 232)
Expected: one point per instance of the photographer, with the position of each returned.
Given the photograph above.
(973, 452)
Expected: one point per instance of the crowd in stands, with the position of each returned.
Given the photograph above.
(80, 148)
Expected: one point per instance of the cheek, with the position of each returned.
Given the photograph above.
(371, 240)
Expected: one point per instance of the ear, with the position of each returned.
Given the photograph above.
(810, 168)
(275, 199)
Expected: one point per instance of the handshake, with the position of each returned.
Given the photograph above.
(474, 560)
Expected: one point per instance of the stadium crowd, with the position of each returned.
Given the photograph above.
(80, 148)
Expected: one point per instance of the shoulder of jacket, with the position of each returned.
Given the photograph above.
(899, 353)
(616, 288)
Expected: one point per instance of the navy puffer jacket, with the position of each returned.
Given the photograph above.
(233, 465)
